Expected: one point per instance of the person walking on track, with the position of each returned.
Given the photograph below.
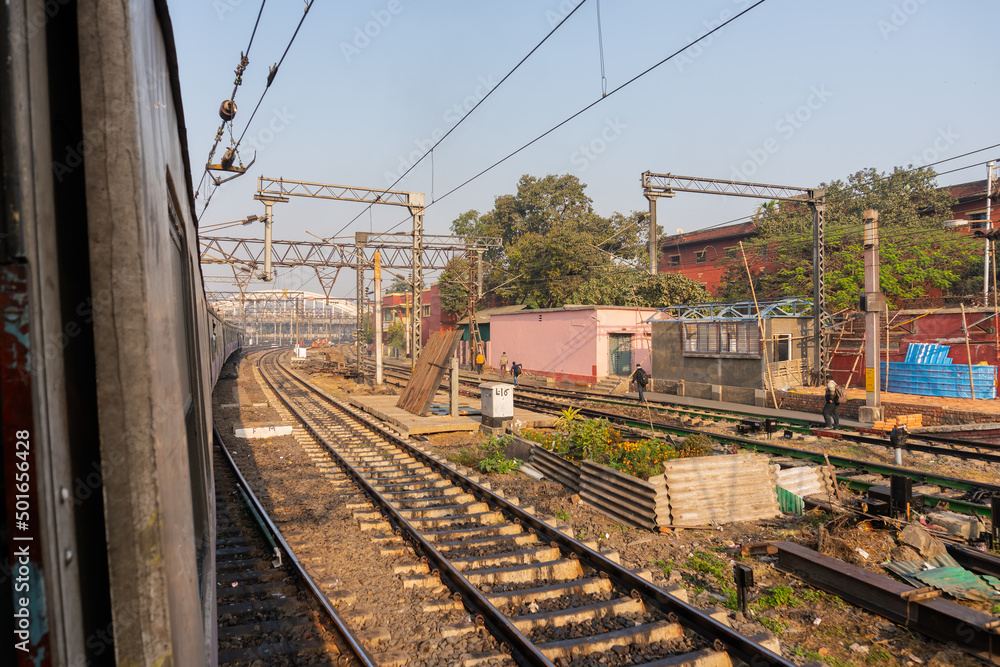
(515, 371)
(503, 365)
(834, 397)
(641, 380)
(480, 360)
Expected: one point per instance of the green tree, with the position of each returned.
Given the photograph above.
(397, 335)
(399, 285)
(633, 287)
(553, 243)
(453, 286)
(917, 254)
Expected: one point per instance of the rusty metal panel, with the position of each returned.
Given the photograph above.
(965, 628)
(21, 473)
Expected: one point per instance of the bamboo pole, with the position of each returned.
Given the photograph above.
(887, 346)
(855, 364)
(760, 327)
(968, 354)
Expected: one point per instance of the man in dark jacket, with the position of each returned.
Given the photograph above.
(830, 416)
(641, 380)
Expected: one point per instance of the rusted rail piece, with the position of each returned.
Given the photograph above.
(967, 629)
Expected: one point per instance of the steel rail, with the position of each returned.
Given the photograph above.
(360, 652)
(521, 648)
(971, 631)
(793, 424)
(732, 642)
(835, 459)
(964, 506)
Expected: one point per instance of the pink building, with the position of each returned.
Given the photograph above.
(574, 343)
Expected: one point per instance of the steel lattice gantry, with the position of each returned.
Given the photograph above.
(270, 313)
(246, 257)
(665, 185)
(275, 190)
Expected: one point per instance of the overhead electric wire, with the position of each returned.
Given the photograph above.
(604, 97)
(592, 104)
(272, 74)
(430, 151)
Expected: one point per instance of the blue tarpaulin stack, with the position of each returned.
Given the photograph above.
(929, 371)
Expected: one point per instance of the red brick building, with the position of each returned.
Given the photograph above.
(971, 203)
(697, 254)
(434, 318)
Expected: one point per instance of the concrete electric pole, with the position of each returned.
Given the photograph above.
(872, 303)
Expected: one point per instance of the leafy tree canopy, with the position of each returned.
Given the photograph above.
(556, 249)
(918, 256)
(399, 285)
(397, 335)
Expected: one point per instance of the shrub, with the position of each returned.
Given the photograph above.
(643, 459)
(696, 444)
(495, 457)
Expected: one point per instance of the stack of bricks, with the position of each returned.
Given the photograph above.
(909, 421)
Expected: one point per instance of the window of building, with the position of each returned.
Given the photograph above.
(713, 338)
(977, 216)
(675, 260)
(782, 347)
(699, 257)
(387, 316)
(731, 252)
(427, 311)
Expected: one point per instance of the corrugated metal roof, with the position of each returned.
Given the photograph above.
(742, 229)
(483, 316)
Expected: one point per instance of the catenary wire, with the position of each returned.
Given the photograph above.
(430, 151)
(236, 85)
(591, 105)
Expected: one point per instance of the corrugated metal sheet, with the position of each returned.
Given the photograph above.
(805, 481)
(556, 467)
(628, 499)
(943, 572)
(789, 502)
(720, 489)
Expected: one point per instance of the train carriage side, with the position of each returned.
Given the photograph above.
(100, 259)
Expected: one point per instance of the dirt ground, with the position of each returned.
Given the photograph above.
(810, 624)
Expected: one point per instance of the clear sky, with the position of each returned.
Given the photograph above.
(795, 92)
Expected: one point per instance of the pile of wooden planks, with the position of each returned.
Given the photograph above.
(428, 373)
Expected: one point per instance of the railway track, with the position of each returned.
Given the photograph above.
(547, 598)
(917, 442)
(955, 493)
(269, 610)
